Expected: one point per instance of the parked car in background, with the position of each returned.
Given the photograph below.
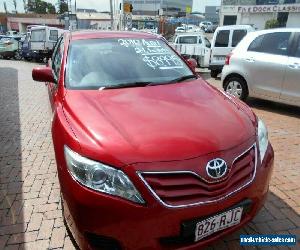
(225, 39)
(42, 40)
(179, 29)
(194, 45)
(9, 47)
(188, 28)
(266, 64)
(208, 27)
(12, 33)
(148, 154)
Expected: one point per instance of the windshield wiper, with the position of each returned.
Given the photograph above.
(179, 79)
(144, 84)
(127, 85)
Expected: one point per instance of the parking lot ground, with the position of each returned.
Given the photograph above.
(30, 209)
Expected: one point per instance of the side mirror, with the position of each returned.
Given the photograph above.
(43, 74)
(192, 63)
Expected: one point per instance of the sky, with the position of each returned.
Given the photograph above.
(101, 5)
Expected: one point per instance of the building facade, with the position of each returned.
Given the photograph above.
(169, 7)
(258, 12)
(19, 22)
(212, 13)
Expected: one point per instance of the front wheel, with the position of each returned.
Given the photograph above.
(237, 87)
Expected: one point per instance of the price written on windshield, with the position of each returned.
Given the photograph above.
(152, 53)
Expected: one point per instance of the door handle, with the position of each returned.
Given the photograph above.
(250, 59)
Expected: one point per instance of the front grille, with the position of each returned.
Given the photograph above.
(184, 188)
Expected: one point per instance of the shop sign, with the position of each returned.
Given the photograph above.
(269, 8)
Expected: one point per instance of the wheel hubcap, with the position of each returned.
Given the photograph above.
(234, 88)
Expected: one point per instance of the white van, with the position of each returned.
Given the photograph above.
(194, 45)
(224, 41)
(43, 39)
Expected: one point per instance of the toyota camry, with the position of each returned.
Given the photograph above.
(149, 155)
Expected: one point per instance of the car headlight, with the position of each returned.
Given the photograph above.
(100, 177)
(263, 141)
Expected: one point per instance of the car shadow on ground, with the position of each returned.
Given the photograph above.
(12, 222)
(279, 108)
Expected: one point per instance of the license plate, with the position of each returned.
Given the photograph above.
(220, 58)
(219, 222)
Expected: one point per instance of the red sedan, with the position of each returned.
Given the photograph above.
(149, 155)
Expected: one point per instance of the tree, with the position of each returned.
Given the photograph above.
(63, 6)
(51, 8)
(271, 24)
(40, 7)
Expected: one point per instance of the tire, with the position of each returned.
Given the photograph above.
(214, 73)
(237, 87)
(17, 56)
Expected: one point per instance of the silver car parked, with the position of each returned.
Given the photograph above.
(265, 64)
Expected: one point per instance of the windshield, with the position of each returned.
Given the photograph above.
(98, 63)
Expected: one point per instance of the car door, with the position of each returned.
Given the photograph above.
(206, 51)
(265, 63)
(220, 47)
(55, 64)
(291, 85)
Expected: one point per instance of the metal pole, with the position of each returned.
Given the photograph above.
(111, 15)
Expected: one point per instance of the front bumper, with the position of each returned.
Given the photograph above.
(96, 218)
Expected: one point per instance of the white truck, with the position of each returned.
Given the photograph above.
(42, 40)
(193, 45)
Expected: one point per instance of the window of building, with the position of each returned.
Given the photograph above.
(222, 38)
(237, 36)
(282, 18)
(266, 2)
(229, 20)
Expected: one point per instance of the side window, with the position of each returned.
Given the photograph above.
(57, 56)
(199, 40)
(237, 36)
(207, 43)
(272, 43)
(222, 38)
(188, 40)
(276, 43)
(256, 44)
(53, 35)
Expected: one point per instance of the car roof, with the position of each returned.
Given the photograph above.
(242, 26)
(261, 32)
(88, 34)
(190, 34)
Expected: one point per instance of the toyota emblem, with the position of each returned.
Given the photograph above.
(216, 168)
